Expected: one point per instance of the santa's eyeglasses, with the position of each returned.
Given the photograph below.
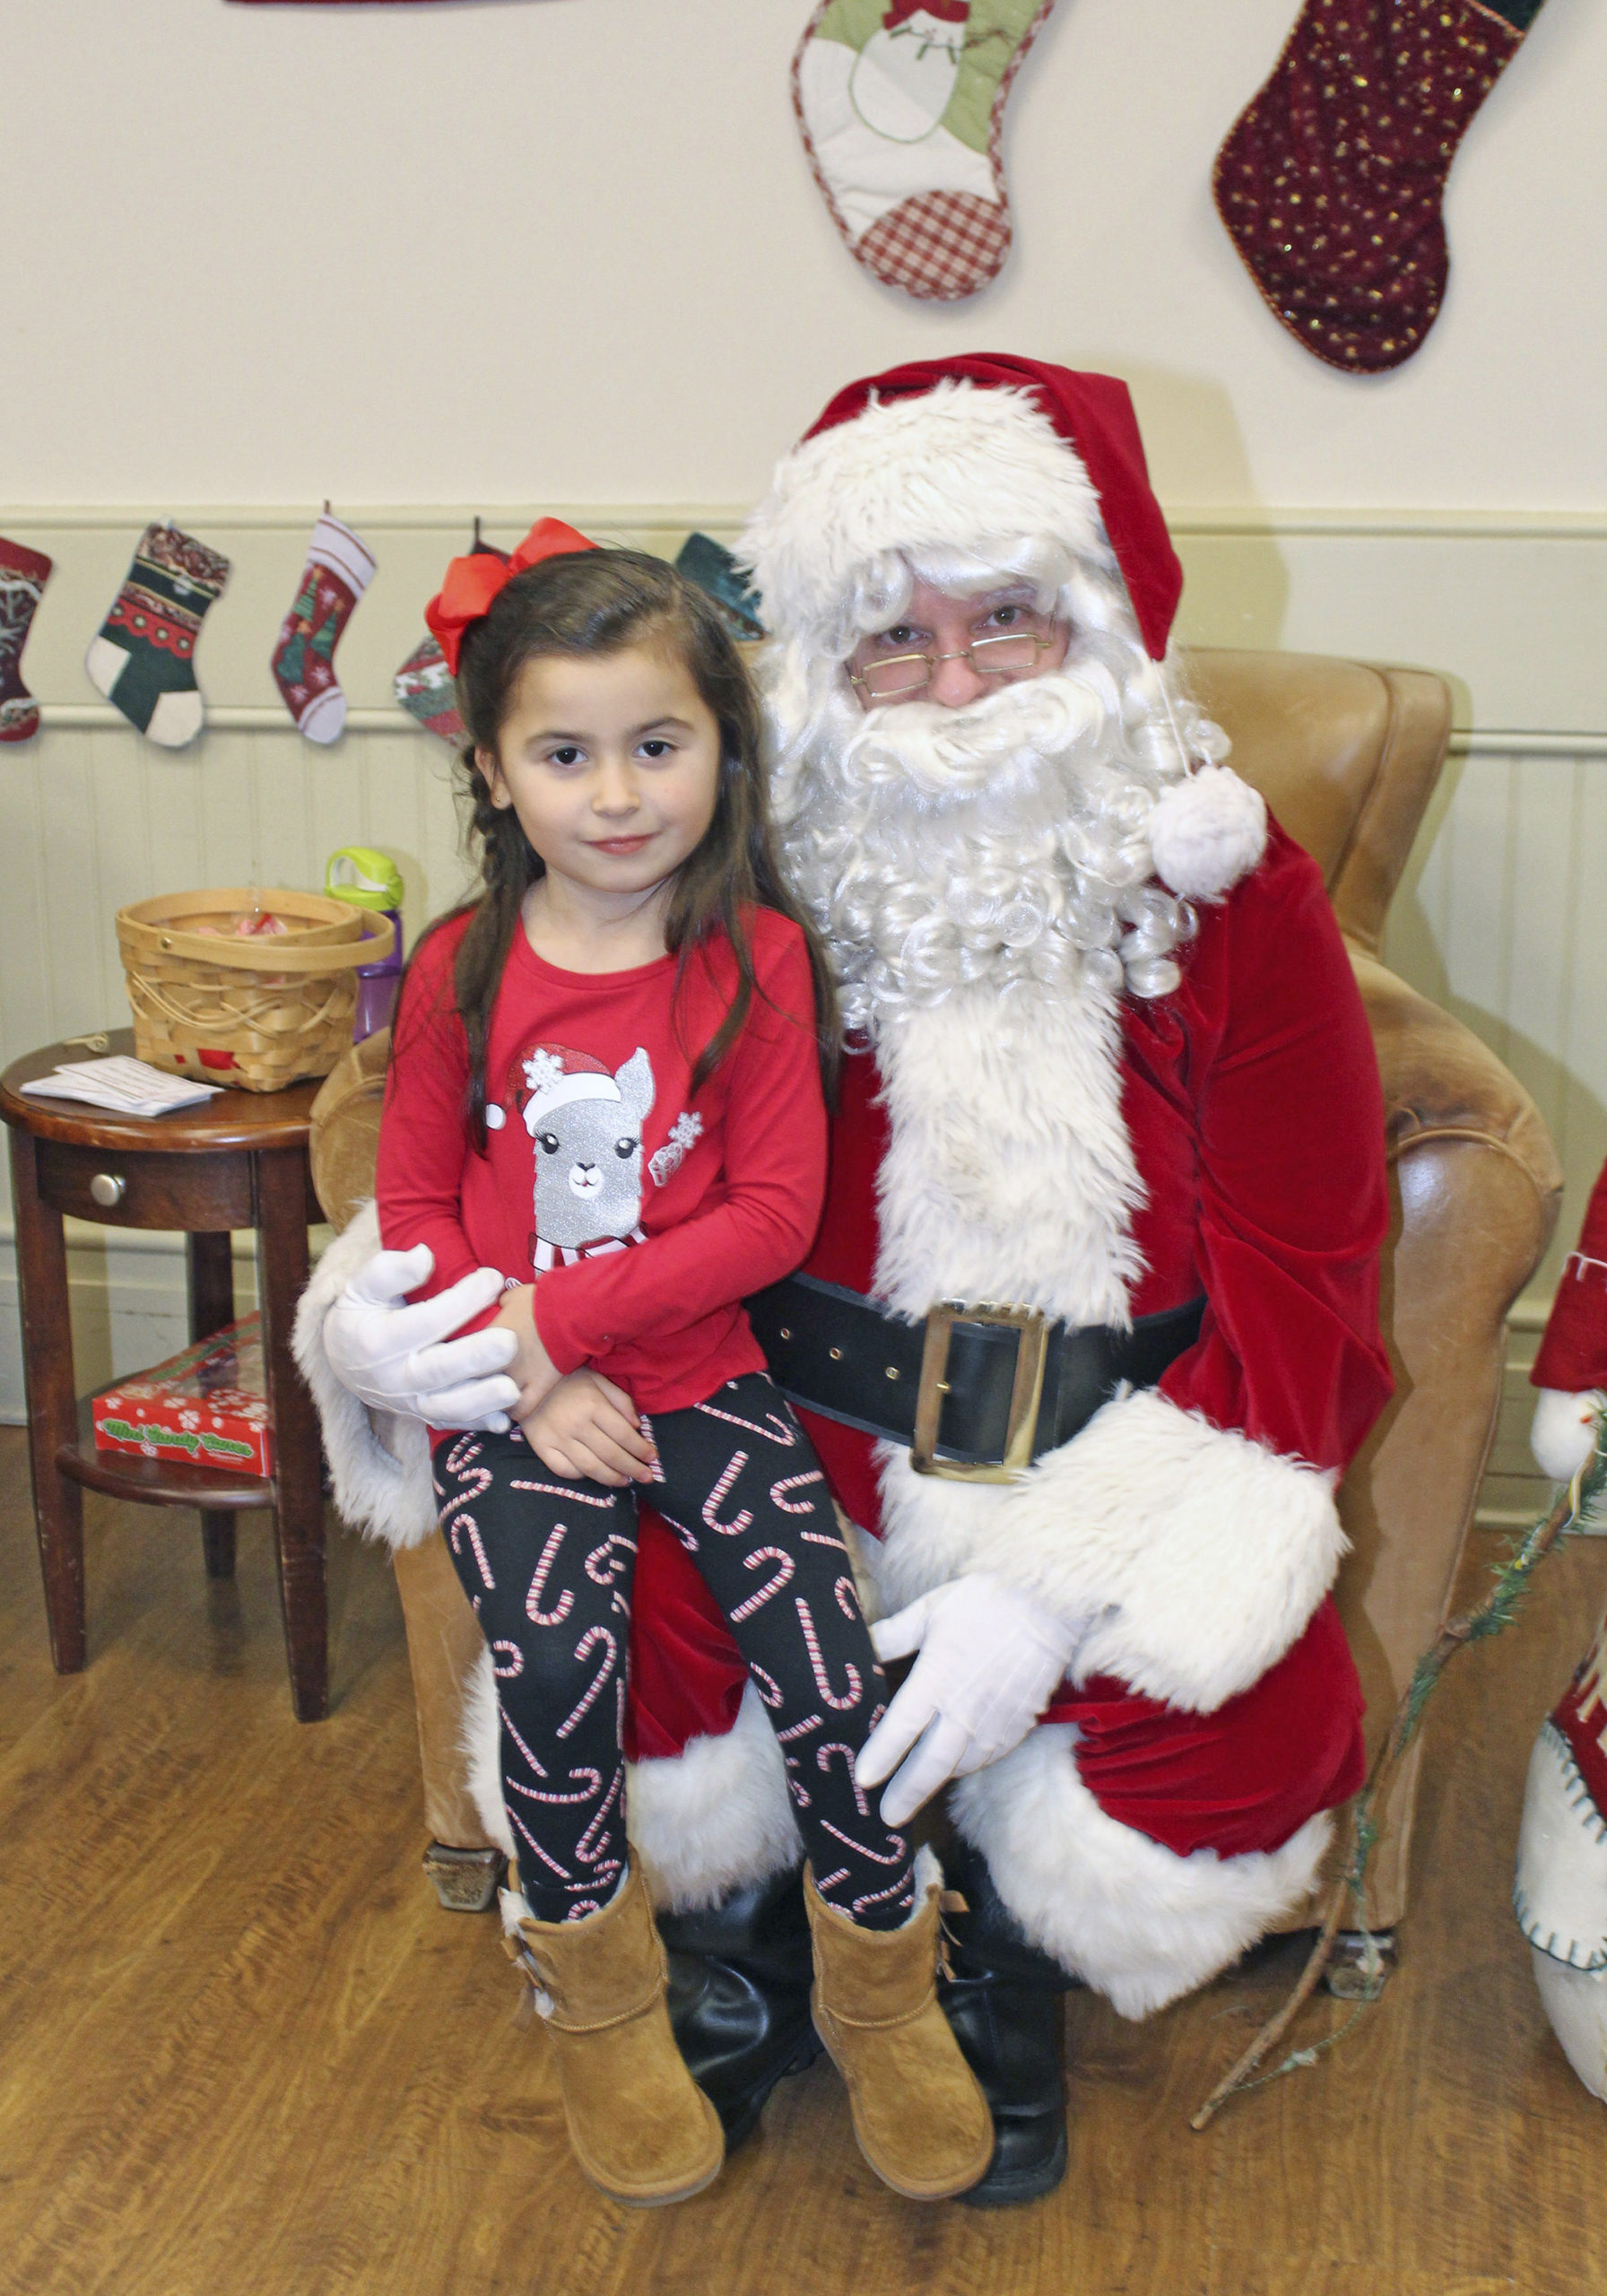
(1008, 655)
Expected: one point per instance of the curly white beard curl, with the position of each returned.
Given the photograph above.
(1007, 841)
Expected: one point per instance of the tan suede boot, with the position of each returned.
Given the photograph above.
(921, 2120)
(641, 2129)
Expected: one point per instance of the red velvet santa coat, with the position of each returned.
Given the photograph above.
(1214, 1701)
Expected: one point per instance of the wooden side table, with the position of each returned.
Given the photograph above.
(241, 1161)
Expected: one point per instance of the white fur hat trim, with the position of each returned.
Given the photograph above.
(956, 467)
(1207, 833)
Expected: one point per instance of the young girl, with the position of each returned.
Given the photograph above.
(606, 1083)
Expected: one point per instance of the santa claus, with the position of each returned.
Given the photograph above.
(1090, 1331)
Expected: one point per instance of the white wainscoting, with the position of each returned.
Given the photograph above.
(1501, 915)
(1500, 918)
(90, 817)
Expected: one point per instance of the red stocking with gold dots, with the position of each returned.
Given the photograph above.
(1331, 182)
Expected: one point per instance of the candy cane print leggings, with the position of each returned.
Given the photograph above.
(548, 1564)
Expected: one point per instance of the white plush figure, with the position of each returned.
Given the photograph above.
(1560, 1890)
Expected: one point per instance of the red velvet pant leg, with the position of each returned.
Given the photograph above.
(1244, 1778)
(686, 1675)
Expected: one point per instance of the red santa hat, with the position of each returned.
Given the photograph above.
(959, 454)
(968, 453)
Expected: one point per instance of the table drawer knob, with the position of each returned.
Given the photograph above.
(108, 1188)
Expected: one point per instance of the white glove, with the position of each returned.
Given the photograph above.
(1563, 1432)
(398, 1358)
(990, 1661)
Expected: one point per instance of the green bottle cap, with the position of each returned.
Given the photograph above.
(367, 879)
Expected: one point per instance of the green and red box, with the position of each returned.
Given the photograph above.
(207, 1406)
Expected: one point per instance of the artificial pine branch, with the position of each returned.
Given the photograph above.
(1581, 1500)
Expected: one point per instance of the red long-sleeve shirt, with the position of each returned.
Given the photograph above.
(642, 1217)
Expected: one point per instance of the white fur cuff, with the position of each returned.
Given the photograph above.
(716, 1818)
(379, 1465)
(1197, 1555)
(1140, 1923)
(1203, 1554)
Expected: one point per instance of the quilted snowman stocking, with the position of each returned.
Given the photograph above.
(900, 104)
(1331, 179)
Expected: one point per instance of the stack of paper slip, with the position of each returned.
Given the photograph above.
(129, 1087)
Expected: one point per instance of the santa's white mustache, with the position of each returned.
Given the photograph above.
(937, 752)
(1006, 841)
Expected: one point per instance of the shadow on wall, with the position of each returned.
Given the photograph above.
(1236, 583)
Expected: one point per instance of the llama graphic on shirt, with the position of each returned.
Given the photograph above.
(585, 1124)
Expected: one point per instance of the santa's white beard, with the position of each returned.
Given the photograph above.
(1006, 843)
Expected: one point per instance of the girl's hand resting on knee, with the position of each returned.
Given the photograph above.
(586, 1426)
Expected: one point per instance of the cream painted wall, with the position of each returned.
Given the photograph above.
(526, 250)
(519, 254)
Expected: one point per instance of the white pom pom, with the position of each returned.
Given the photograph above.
(1207, 833)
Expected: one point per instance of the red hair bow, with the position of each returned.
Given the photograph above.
(473, 583)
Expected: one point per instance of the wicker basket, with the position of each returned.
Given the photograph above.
(252, 1013)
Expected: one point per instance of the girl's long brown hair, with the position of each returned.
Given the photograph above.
(599, 602)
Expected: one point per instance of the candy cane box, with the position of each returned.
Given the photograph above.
(207, 1406)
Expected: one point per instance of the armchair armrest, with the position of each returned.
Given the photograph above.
(1442, 1084)
(346, 1128)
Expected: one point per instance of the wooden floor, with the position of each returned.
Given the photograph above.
(243, 2052)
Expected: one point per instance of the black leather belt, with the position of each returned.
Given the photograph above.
(977, 1393)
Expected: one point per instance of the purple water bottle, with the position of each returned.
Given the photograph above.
(370, 879)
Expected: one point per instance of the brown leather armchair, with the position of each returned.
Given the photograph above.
(1347, 755)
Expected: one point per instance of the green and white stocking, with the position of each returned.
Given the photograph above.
(144, 658)
(900, 104)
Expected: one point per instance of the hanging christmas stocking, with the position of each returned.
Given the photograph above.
(424, 685)
(144, 660)
(24, 574)
(900, 105)
(339, 568)
(1331, 182)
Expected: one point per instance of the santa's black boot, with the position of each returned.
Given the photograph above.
(1002, 1999)
(740, 1978)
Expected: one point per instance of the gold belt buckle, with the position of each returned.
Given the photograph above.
(1032, 1333)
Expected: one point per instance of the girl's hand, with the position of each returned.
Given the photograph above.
(586, 1427)
(532, 1367)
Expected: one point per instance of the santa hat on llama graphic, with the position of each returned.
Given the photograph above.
(548, 1076)
(970, 457)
